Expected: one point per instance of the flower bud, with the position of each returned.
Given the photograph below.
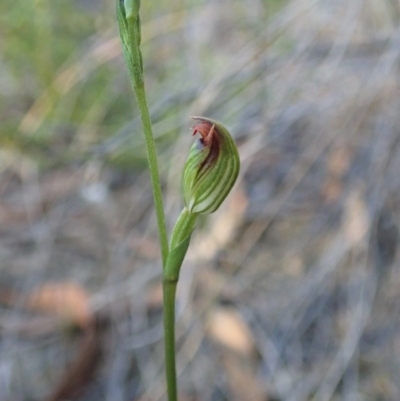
(211, 169)
(130, 33)
(129, 8)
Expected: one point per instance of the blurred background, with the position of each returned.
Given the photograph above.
(291, 291)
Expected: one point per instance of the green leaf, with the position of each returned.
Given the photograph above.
(175, 260)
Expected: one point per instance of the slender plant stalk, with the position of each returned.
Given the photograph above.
(210, 172)
(153, 167)
(135, 66)
(169, 290)
(180, 239)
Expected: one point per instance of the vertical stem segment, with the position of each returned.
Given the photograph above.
(153, 167)
(180, 239)
(169, 287)
(130, 34)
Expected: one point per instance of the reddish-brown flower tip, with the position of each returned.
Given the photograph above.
(210, 139)
(205, 128)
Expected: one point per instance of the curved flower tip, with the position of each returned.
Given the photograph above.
(212, 167)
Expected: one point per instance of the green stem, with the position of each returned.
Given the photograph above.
(173, 255)
(180, 239)
(136, 75)
(169, 288)
(154, 172)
